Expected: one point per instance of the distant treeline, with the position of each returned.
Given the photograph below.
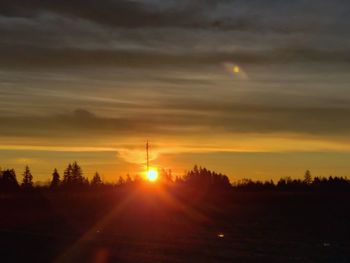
(198, 177)
(309, 183)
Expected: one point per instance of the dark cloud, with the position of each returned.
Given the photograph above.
(238, 14)
(190, 121)
(181, 34)
(152, 33)
(119, 13)
(33, 57)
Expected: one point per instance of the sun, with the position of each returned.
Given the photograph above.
(152, 175)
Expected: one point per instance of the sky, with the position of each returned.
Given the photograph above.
(253, 89)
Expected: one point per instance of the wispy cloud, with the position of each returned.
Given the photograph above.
(193, 118)
(178, 33)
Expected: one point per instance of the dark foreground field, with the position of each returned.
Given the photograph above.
(148, 224)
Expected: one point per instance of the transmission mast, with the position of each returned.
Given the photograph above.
(147, 154)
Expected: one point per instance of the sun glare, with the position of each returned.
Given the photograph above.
(152, 175)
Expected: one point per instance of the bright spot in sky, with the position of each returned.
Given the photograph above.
(221, 235)
(235, 70)
(152, 175)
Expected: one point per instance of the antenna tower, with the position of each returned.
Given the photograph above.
(147, 154)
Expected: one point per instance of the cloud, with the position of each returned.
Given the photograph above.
(238, 14)
(191, 36)
(179, 33)
(119, 13)
(17, 57)
(190, 121)
(83, 114)
(137, 156)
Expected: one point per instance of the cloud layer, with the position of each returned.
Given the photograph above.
(97, 73)
(139, 33)
(193, 119)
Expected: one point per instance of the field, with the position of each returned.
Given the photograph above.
(152, 225)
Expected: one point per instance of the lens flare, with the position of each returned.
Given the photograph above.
(236, 69)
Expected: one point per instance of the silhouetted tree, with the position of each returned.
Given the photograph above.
(128, 179)
(316, 183)
(96, 180)
(203, 178)
(27, 181)
(199, 178)
(73, 176)
(269, 185)
(8, 180)
(250, 185)
(67, 175)
(178, 180)
(166, 176)
(121, 180)
(307, 177)
(296, 185)
(77, 174)
(55, 182)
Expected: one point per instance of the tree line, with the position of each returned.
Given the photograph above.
(72, 178)
(308, 183)
(197, 177)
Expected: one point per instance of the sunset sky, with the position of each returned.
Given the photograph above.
(253, 89)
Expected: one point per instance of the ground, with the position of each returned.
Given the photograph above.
(133, 226)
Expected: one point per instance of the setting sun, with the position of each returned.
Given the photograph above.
(152, 175)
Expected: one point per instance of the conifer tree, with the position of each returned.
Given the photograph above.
(121, 180)
(307, 177)
(8, 180)
(67, 175)
(128, 179)
(96, 180)
(55, 179)
(27, 181)
(77, 174)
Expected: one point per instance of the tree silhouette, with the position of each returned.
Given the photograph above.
(73, 176)
(198, 178)
(121, 180)
(203, 178)
(8, 180)
(307, 177)
(67, 175)
(27, 181)
(77, 174)
(166, 176)
(128, 179)
(178, 180)
(55, 182)
(96, 180)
